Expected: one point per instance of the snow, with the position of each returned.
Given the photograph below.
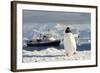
(53, 54)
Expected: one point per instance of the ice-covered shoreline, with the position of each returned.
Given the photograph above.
(53, 54)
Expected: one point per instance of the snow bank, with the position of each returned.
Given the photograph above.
(53, 54)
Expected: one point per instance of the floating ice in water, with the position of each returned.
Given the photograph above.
(28, 53)
(48, 51)
(53, 54)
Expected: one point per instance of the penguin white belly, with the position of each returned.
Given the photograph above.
(69, 44)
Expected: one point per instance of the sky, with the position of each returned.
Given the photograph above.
(33, 16)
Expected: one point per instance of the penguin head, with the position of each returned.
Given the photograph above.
(67, 30)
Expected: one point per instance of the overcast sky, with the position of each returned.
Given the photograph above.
(31, 17)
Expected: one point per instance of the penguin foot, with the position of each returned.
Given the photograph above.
(74, 53)
(71, 54)
(68, 55)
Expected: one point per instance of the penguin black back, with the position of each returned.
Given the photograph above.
(67, 30)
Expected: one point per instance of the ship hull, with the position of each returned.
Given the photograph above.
(49, 43)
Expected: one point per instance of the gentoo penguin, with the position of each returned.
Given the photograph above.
(69, 42)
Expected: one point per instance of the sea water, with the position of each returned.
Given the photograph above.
(84, 45)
